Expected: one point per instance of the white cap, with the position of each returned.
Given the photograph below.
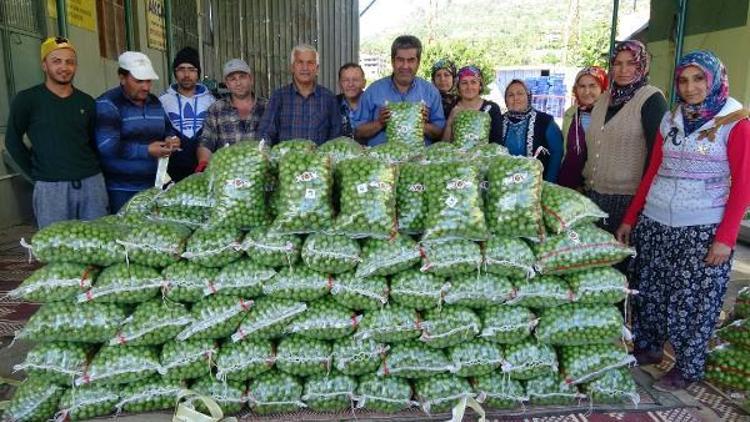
(236, 65)
(138, 64)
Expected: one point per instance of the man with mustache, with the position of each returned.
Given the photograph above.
(59, 120)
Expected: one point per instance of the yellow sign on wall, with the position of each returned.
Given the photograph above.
(81, 13)
(157, 37)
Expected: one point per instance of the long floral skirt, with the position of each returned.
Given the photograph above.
(680, 296)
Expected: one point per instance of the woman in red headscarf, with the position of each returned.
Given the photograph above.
(589, 85)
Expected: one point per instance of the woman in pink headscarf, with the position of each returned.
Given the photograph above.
(589, 84)
(470, 87)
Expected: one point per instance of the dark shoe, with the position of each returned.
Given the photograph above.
(672, 381)
(647, 358)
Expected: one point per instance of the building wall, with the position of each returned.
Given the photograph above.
(722, 26)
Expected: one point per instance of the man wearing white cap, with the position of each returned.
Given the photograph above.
(232, 119)
(132, 130)
(59, 120)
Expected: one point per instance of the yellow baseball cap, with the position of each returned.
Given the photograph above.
(55, 43)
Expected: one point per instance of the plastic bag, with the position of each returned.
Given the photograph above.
(155, 244)
(268, 318)
(56, 282)
(149, 395)
(305, 185)
(510, 257)
(190, 359)
(565, 208)
(237, 183)
(358, 294)
(479, 291)
(442, 152)
(88, 402)
(410, 198)
(354, 356)
(572, 325)
(270, 249)
(244, 360)
(332, 393)
(55, 363)
(586, 363)
(74, 322)
(303, 357)
(454, 203)
(274, 392)
(152, 323)
(451, 258)
(406, 124)
(737, 333)
(599, 285)
(449, 326)
(500, 391)
(584, 247)
(542, 292)
(140, 206)
(34, 400)
(86, 242)
(615, 386)
(213, 247)
(122, 283)
(368, 199)
(529, 359)
(418, 290)
(298, 283)
(393, 153)
(507, 324)
(325, 320)
(742, 305)
(727, 366)
(414, 360)
(514, 196)
(121, 365)
(475, 358)
(341, 149)
(186, 202)
(242, 278)
(330, 254)
(552, 390)
(384, 394)
(229, 395)
(216, 317)
(187, 282)
(471, 128)
(391, 324)
(441, 392)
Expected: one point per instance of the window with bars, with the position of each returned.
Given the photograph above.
(185, 24)
(111, 22)
(24, 15)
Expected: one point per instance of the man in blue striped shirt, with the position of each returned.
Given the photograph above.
(302, 109)
(132, 130)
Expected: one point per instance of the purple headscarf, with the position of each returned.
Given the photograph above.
(620, 95)
(696, 115)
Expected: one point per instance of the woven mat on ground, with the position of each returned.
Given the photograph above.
(14, 268)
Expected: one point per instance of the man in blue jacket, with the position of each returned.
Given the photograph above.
(132, 130)
(186, 104)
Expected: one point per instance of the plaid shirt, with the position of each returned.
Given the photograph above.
(289, 115)
(223, 125)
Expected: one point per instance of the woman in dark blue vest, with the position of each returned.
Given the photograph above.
(530, 132)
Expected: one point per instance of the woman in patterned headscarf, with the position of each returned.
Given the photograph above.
(624, 123)
(444, 79)
(691, 202)
(529, 132)
(589, 84)
(470, 85)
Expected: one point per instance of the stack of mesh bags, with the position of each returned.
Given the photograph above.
(728, 363)
(329, 279)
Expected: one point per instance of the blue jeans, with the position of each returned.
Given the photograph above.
(84, 199)
(118, 198)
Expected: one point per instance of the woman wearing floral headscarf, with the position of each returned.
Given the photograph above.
(529, 132)
(470, 87)
(691, 202)
(589, 84)
(624, 123)
(444, 79)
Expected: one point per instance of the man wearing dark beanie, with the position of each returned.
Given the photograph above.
(185, 103)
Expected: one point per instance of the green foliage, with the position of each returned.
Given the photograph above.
(462, 53)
